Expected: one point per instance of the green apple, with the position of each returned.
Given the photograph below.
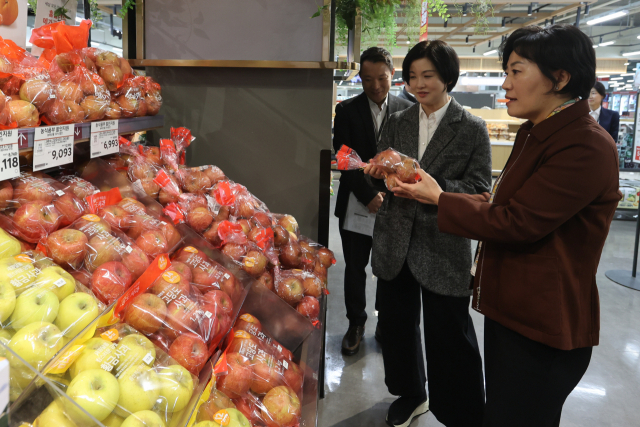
(133, 350)
(36, 343)
(139, 390)
(96, 391)
(5, 343)
(9, 245)
(96, 351)
(207, 424)
(143, 419)
(57, 281)
(237, 418)
(113, 420)
(176, 388)
(53, 415)
(76, 312)
(18, 271)
(34, 305)
(7, 300)
(7, 333)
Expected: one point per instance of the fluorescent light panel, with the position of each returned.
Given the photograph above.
(617, 78)
(491, 52)
(608, 17)
(636, 53)
(607, 43)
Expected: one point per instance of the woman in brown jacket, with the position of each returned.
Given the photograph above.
(541, 229)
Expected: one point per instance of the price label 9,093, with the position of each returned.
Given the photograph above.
(104, 138)
(9, 163)
(52, 146)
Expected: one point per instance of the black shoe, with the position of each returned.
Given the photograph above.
(351, 340)
(378, 335)
(405, 409)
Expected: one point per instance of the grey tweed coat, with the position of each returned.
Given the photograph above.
(459, 155)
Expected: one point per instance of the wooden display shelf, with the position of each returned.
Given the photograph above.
(82, 131)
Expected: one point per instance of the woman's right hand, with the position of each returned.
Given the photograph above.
(375, 171)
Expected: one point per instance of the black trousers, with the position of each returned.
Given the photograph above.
(356, 248)
(454, 365)
(527, 382)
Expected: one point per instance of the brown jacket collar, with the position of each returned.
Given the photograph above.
(548, 127)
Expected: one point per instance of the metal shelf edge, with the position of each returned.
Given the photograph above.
(331, 65)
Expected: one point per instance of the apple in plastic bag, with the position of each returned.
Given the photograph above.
(146, 313)
(190, 351)
(239, 377)
(143, 419)
(57, 280)
(76, 312)
(137, 349)
(95, 352)
(281, 407)
(70, 208)
(291, 290)
(94, 390)
(110, 280)
(34, 305)
(176, 388)
(139, 390)
(7, 301)
(309, 307)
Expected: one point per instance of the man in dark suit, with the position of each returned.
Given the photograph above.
(405, 94)
(608, 119)
(358, 123)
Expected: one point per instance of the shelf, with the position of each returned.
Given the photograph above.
(326, 65)
(82, 131)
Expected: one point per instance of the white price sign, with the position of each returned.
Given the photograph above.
(52, 146)
(104, 138)
(9, 163)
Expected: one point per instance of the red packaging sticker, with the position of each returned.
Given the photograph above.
(103, 198)
(41, 248)
(325, 291)
(168, 146)
(183, 157)
(124, 141)
(224, 195)
(316, 323)
(162, 179)
(160, 264)
(229, 231)
(173, 211)
(263, 237)
(221, 365)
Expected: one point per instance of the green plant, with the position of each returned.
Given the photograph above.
(33, 4)
(96, 16)
(481, 11)
(62, 11)
(126, 6)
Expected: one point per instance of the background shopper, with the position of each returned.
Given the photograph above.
(608, 119)
(358, 124)
(419, 266)
(542, 229)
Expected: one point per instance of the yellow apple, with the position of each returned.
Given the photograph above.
(143, 419)
(96, 391)
(9, 245)
(96, 351)
(18, 271)
(113, 420)
(176, 388)
(7, 333)
(139, 390)
(53, 415)
(34, 305)
(76, 312)
(7, 301)
(57, 281)
(133, 350)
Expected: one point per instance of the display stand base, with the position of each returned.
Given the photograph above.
(624, 278)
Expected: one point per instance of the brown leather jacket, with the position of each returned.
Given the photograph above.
(544, 233)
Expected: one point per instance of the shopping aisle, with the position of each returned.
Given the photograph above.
(356, 395)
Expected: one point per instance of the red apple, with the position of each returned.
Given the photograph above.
(136, 262)
(67, 247)
(312, 285)
(290, 289)
(230, 285)
(70, 208)
(82, 276)
(254, 263)
(182, 317)
(244, 207)
(266, 280)
(290, 224)
(81, 187)
(291, 254)
(214, 174)
(152, 242)
(6, 193)
(239, 377)
(116, 216)
(132, 205)
(281, 407)
(388, 158)
(170, 285)
(190, 351)
(150, 187)
(212, 234)
(249, 323)
(244, 343)
(36, 220)
(161, 341)
(309, 307)
(92, 225)
(326, 257)
(110, 280)
(199, 219)
(141, 170)
(32, 189)
(266, 374)
(262, 219)
(171, 234)
(194, 181)
(220, 300)
(182, 269)
(407, 170)
(102, 248)
(293, 377)
(280, 236)
(234, 251)
(211, 324)
(146, 313)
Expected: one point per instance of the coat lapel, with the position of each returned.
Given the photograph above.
(409, 133)
(443, 136)
(367, 120)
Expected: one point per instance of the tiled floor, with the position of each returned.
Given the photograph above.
(356, 395)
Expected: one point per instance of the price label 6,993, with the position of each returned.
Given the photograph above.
(104, 138)
(52, 146)
(9, 163)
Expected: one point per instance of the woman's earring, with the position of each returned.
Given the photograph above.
(557, 88)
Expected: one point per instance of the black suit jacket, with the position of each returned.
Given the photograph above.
(610, 121)
(353, 127)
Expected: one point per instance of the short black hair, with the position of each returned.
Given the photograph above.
(557, 47)
(599, 87)
(377, 54)
(441, 55)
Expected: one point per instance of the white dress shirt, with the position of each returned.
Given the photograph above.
(428, 126)
(596, 113)
(378, 114)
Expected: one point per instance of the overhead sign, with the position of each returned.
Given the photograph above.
(13, 21)
(424, 20)
(46, 14)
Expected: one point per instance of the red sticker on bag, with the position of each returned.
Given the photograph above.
(231, 232)
(162, 179)
(124, 141)
(173, 211)
(224, 195)
(102, 199)
(159, 265)
(263, 237)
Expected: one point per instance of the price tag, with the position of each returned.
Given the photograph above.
(52, 146)
(148, 359)
(104, 138)
(9, 163)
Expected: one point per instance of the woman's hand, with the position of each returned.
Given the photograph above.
(375, 171)
(426, 191)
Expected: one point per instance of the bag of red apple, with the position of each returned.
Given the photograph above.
(172, 150)
(134, 377)
(113, 69)
(397, 166)
(301, 290)
(129, 95)
(348, 159)
(151, 91)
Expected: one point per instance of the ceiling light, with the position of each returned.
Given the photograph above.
(595, 46)
(636, 53)
(608, 17)
(408, 42)
(491, 52)
(607, 43)
(604, 76)
(617, 78)
(626, 63)
(628, 74)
